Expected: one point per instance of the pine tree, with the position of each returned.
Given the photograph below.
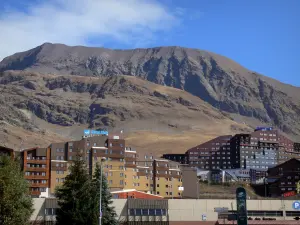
(108, 212)
(16, 204)
(75, 196)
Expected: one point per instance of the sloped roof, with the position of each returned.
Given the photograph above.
(133, 190)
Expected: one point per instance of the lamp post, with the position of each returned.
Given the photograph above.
(100, 198)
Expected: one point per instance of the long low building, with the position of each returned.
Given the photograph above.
(181, 211)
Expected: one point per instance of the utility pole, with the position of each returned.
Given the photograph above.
(100, 198)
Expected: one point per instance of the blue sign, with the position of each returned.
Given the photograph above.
(95, 132)
(296, 205)
(264, 128)
(86, 132)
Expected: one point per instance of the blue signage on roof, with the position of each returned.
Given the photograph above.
(95, 132)
(86, 132)
(296, 205)
(264, 128)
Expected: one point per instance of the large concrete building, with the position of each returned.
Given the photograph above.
(182, 211)
(264, 148)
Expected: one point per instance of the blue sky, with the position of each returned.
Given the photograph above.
(262, 35)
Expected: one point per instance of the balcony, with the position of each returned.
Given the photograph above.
(35, 193)
(37, 161)
(40, 169)
(32, 177)
(38, 184)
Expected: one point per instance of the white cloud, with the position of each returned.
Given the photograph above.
(72, 22)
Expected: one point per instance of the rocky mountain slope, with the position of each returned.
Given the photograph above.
(60, 107)
(221, 82)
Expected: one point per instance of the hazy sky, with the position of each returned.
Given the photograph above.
(262, 35)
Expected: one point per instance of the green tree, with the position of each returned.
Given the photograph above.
(16, 204)
(74, 196)
(108, 211)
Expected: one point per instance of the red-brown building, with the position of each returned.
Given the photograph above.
(36, 167)
(132, 193)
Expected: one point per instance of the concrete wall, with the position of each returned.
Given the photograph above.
(39, 209)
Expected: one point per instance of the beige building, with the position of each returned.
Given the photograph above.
(179, 211)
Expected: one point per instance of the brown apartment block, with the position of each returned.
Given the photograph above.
(283, 178)
(36, 167)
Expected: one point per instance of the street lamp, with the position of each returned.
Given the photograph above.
(100, 204)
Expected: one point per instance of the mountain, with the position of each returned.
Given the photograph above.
(230, 89)
(215, 79)
(51, 108)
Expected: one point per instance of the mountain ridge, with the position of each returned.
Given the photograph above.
(218, 80)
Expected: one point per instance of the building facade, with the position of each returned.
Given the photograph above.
(284, 178)
(47, 168)
(264, 148)
(180, 211)
(181, 158)
(36, 167)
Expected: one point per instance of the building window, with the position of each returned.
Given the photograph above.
(70, 157)
(57, 180)
(121, 182)
(95, 144)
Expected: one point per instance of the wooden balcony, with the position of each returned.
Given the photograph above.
(37, 161)
(40, 169)
(39, 184)
(40, 177)
(35, 193)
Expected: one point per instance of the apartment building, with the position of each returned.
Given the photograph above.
(181, 158)
(36, 167)
(167, 178)
(213, 154)
(264, 148)
(124, 168)
(284, 178)
(105, 150)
